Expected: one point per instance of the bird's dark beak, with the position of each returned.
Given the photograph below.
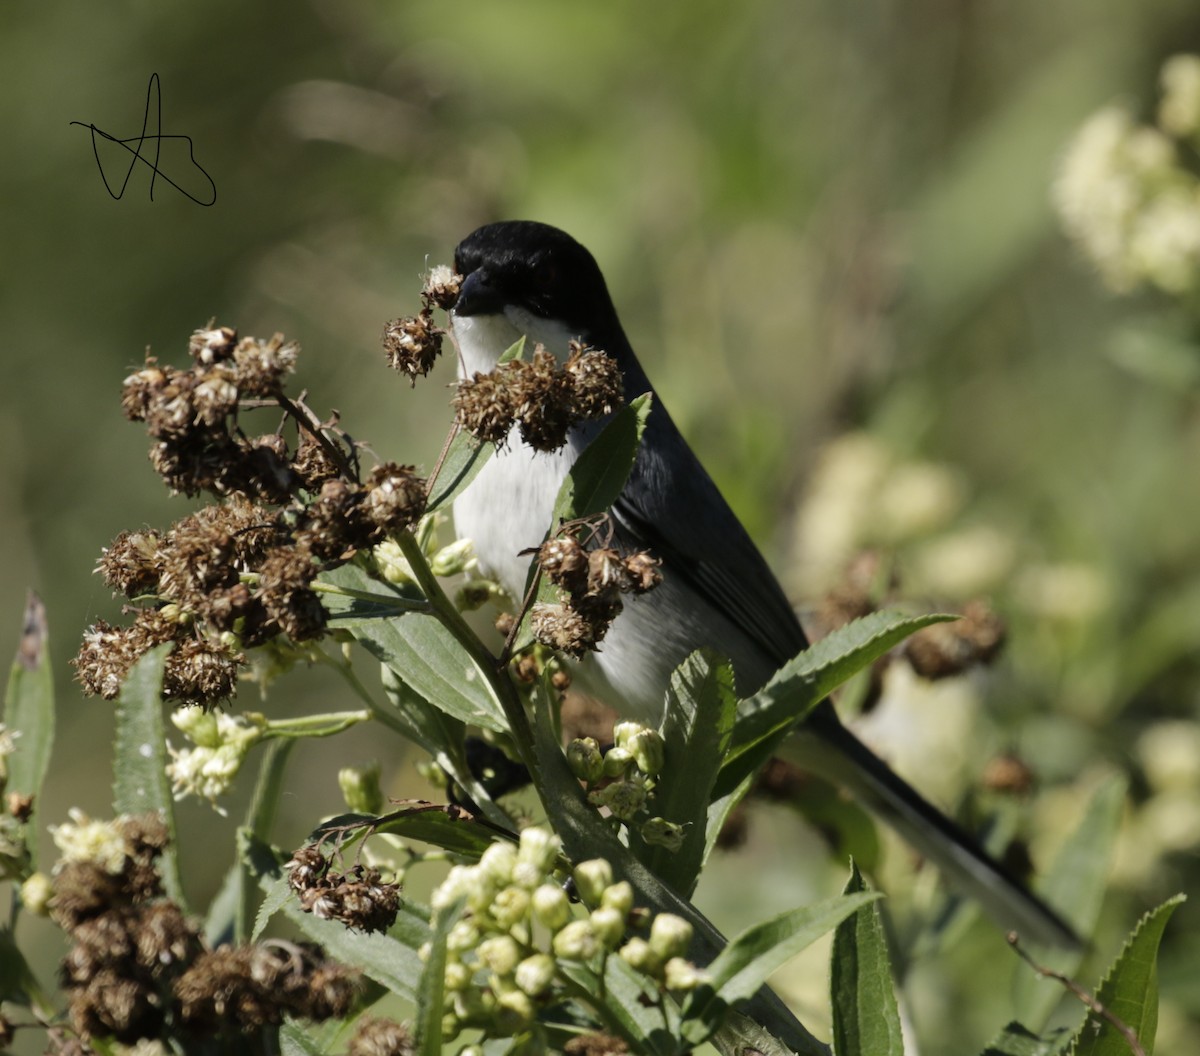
(477, 297)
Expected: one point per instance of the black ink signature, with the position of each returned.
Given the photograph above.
(154, 90)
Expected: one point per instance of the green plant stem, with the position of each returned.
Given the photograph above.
(492, 667)
(316, 725)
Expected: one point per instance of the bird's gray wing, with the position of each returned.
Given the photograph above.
(671, 507)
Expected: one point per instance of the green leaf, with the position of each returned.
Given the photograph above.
(600, 472)
(297, 1038)
(1075, 882)
(29, 710)
(226, 920)
(804, 681)
(465, 457)
(747, 962)
(1129, 991)
(866, 1018)
(431, 995)
(18, 984)
(701, 705)
(454, 829)
(585, 835)
(425, 655)
(630, 999)
(391, 959)
(1016, 1040)
(140, 757)
(441, 735)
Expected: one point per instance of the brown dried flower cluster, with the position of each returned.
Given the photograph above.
(359, 897)
(192, 415)
(944, 649)
(238, 573)
(138, 967)
(593, 581)
(413, 344)
(541, 397)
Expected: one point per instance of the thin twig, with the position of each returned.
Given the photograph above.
(1090, 1000)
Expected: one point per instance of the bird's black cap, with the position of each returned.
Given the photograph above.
(536, 267)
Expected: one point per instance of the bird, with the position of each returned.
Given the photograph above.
(527, 279)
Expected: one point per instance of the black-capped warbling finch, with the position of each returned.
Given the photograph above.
(521, 278)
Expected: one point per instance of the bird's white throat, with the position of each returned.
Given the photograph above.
(483, 339)
(509, 505)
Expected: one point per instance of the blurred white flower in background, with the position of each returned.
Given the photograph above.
(1126, 198)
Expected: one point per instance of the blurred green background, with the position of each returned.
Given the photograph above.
(827, 227)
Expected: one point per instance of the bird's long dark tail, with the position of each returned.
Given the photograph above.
(831, 750)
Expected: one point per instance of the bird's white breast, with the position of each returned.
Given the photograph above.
(508, 506)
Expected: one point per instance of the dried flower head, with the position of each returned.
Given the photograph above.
(260, 366)
(483, 405)
(564, 560)
(396, 497)
(597, 383)
(441, 288)
(130, 564)
(944, 649)
(413, 344)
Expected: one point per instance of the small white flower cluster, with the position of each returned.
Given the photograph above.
(221, 741)
(83, 840)
(1126, 198)
(500, 967)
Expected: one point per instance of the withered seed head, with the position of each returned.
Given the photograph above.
(565, 561)
(396, 497)
(212, 346)
(413, 344)
(484, 407)
(130, 563)
(598, 387)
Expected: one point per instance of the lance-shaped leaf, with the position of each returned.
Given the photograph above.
(748, 961)
(701, 706)
(866, 1018)
(1129, 992)
(1076, 881)
(803, 682)
(140, 782)
(29, 710)
(424, 654)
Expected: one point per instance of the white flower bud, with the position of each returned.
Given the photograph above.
(551, 907)
(618, 896)
(535, 974)
(609, 925)
(497, 863)
(638, 954)
(591, 878)
(539, 848)
(510, 906)
(577, 941)
(501, 954)
(670, 936)
(681, 974)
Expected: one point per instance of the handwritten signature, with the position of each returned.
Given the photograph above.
(153, 90)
